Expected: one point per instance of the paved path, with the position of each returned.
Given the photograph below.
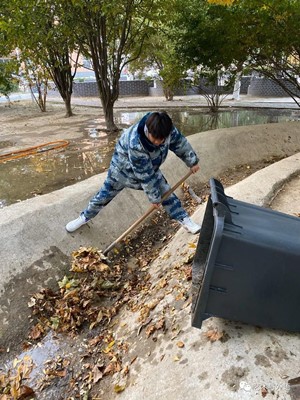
(185, 101)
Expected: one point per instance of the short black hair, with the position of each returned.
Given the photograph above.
(159, 124)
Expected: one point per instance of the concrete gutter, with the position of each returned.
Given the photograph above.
(35, 249)
(33, 231)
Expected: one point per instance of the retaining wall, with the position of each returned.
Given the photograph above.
(263, 87)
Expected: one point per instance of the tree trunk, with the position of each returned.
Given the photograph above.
(61, 74)
(108, 109)
(108, 95)
(67, 101)
(169, 95)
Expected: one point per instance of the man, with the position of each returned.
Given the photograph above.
(139, 153)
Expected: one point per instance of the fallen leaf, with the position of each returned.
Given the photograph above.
(213, 335)
(25, 391)
(180, 344)
(150, 330)
(108, 348)
(162, 283)
(160, 324)
(119, 388)
(264, 391)
(166, 256)
(97, 374)
(109, 368)
(144, 313)
(36, 331)
(152, 304)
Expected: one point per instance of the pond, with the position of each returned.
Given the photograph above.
(43, 173)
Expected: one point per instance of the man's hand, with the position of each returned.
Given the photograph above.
(195, 168)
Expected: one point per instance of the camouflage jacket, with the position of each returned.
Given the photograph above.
(136, 161)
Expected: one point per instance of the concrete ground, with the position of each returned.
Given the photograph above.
(246, 362)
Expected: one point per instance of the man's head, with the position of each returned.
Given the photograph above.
(159, 126)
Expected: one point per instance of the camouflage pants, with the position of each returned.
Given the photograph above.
(112, 187)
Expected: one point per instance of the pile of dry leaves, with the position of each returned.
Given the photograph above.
(85, 296)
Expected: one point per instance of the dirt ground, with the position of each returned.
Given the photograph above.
(23, 125)
(92, 370)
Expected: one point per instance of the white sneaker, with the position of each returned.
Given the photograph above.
(76, 223)
(190, 226)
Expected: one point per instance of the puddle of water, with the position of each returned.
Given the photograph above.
(41, 356)
(43, 173)
(194, 121)
(45, 350)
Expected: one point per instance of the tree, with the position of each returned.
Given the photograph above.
(37, 78)
(159, 54)
(230, 35)
(113, 34)
(273, 29)
(40, 30)
(202, 44)
(8, 83)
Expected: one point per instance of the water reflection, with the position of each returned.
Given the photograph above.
(193, 121)
(39, 174)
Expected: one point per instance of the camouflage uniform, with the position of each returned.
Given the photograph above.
(135, 164)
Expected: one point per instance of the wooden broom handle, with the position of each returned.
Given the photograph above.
(147, 213)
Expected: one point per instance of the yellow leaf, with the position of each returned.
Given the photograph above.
(166, 256)
(119, 388)
(192, 245)
(16, 362)
(108, 348)
(180, 344)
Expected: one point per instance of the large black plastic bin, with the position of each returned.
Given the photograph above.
(247, 264)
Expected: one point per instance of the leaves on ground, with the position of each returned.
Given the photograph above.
(12, 383)
(91, 296)
(214, 335)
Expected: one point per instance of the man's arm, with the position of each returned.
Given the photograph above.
(183, 149)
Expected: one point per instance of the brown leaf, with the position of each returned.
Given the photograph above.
(180, 344)
(125, 370)
(264, 391)
(25, 391)
(150, 330)
(110, 368)
(160, 324)
(152, 304)
(97, 374)
(53, 372)
(95, 341)
(213, 335)
(144, 313)
(162, 283)
(36, 332)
